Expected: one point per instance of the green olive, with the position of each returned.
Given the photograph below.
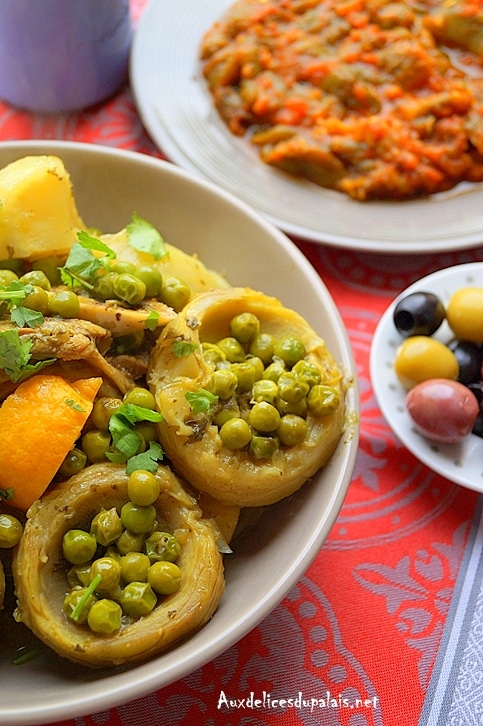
(143, 488)
(289, 349)
(175, 293)
(138, 599)
(102, 411)
(264, 417)
(134, 567)
(152, 278)
(73, 463)
(7, 277)
(11, 531)
(130, 542)
(50, 266)
(78, 546)
(72, 600)
(235, 434)
(292, 430)
(162, 546)
(106, 526)
(138, 519)
(164, 577)
(37, 300)
(244, 327)
(232, 349)
(129, 288)
(223, 383)
(323, 400)
(140, 396)
(262, 346)
(95, 444)
(104, 617)
(64, 303)
(37, 278)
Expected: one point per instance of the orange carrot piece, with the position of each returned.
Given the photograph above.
(39, 424)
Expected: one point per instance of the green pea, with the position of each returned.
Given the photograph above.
(130, 542)
(245, 374)
(37, 278)
(244, 327)
(110, 571)
(129, 288)
(274, 371)
(102, 411)
(104, 286)
(138, 599)
(162, 546)
(79, 575)
(73, 463)
(72, 600)
(264, 417)
(64, 303)
(147, 430)
(235, 434)
(323, 400)
(138, 519)
(262, 346)
(143, 488)
(152, 278)
(7, 277)
(106, 526)
(175, 293)
(134, 567)
(212, 354)
(50, 267)
(263, 447)
(307, 372)
(223, 383)
(37, 300)
(11, 264)
(78, 546)
(289, 349)
(94, 444)
(265, 390)
(164, 577)
(232, 349)
(11, 531)
(257, 364)
(229, 409)
(292, 430)
(122, 267)
(297, 408)
(140, 396)
(291, 388)
(105, 617)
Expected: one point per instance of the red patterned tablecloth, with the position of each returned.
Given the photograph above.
(387, 609)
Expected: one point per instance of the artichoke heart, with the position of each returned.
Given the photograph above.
(40, 572)
(260, 467)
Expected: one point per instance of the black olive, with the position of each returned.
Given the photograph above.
(420, 313)
(470, 358)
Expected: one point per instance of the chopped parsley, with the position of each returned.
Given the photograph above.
(126, 440)
(15, 354)
(144, 237)
(82, 266)
(201, 400)
(183, 348)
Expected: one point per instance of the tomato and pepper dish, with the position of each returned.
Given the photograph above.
(377, 99)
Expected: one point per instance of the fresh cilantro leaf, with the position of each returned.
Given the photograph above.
(26, 318)
(7, 494)
(15, 292)
(133, 413)
(125, 438)
(183, 348)
(15, 354)
(201, 400)
(144, 237)
(151, 322)
(82, 265)
(92, 243)
(147, 460)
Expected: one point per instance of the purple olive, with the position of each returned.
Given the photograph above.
(419, 313)
(443, 410)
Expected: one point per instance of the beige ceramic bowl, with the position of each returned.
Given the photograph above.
(109, 186)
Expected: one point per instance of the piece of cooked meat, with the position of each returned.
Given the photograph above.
(121, 320)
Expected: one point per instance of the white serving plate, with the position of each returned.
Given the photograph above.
(460, 463)
(109, 185)
(177, 111)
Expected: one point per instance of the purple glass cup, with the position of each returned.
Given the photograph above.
(58, 56)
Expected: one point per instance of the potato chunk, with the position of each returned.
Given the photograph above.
(38, 213)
